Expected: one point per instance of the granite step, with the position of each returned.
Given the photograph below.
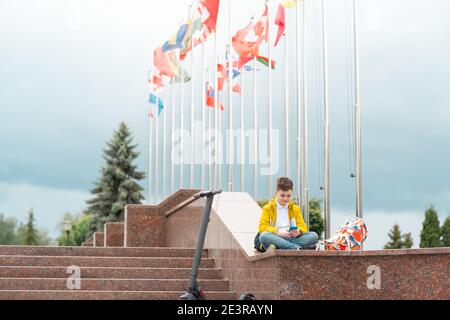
(98, 251)
(111, 273)
(104, 295)
(110, 284)
(81, 261)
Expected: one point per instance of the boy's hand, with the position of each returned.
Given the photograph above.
(295, 233)
(284, 234)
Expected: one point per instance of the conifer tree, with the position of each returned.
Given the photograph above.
(446, 233)
(430, 236)
(118, 184)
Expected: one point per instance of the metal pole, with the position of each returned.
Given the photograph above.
(358, 161)
(210, 125)
(182, 126)
(156, 150)
(203, 104)
(171, 140)
(326, 180)
(286, 104)
(150, 154)
(164, 126)
(219, 141)
(269, 141)
(191, 182)
(242, 131)
(216, 119)
(305, 123)
(299, 110)
(255, 173)
(230, 104)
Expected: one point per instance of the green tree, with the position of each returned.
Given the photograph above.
(79, 232)
(395, 237)
(407, 241)
(316, 222)
(27, 233)
(117, 185)
(8, 230)
(446, 232)
(430, 236)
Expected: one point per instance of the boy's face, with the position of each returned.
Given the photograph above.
(283, 197)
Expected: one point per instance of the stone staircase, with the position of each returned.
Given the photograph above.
(33, 272)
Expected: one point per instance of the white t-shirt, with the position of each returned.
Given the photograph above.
(282, 222)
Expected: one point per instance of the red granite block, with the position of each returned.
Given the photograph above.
(98, 251)
(109, 284)
(104, 295)
(112, 272)
(145, 225)
(99, 238)
(114, 234)
(130, 262)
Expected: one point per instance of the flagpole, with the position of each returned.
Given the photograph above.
(326, 128)
(219, 149)
(286, 104)
(255, 173)
(202, 138)
(299, 110)
(150, 154)
(210, 126)
(216, 106)
(156, 149)
(164, 126)
(358, 161)
(242, 131)
(192, 115)
(172, 87)
(305, 124)
(230, 104)
(270, 101)
(181, 126)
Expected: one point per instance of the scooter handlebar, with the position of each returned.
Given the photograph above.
(207, 193)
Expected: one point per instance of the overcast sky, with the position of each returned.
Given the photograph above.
(70, 71)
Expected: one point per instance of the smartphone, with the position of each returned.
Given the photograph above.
(293, 228)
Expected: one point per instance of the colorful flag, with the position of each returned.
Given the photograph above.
(236, 73)
(195, 26)
(246, 41)
(152, 100)
(243, 47)
(176, 41)
(289, 3)
(166, 62)
(265, 61)
(155, 80)
(221, 76)
(280, 22)
(209, 10)
(210, 101)
(261, 27)
(237, 88)
(186, 77)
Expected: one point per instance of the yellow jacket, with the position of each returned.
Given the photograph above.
(269, 217)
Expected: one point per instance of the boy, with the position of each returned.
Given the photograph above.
(279, 216)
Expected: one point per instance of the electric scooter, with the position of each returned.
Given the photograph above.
(195, 292)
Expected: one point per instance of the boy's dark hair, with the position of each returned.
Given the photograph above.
(285, 184)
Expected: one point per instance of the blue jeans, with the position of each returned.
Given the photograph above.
(306, 241)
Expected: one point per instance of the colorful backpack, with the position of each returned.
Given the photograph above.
(349, 236)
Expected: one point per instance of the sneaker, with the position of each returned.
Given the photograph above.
(271, 247)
